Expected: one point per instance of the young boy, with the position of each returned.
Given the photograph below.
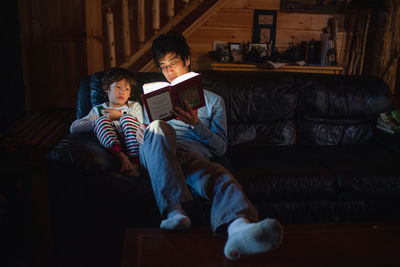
(176, 155)
(116, 121)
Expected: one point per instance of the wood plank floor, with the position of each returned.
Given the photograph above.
(342, 244)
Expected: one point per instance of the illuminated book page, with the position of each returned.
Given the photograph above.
(160, 106)
(184, 77)
(150, 87)
(154, 86)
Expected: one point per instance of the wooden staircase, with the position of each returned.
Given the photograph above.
(131, 27)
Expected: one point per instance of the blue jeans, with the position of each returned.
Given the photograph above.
(172, 170)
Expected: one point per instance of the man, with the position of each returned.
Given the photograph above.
(176, 154)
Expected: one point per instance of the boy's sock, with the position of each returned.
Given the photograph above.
(246, 238)
(176, 220)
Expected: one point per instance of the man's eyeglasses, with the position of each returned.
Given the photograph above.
(170, 66)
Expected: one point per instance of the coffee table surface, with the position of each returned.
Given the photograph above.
(335, 244)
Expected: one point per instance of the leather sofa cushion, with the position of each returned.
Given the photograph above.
(90, 94)
(84, 152)
(339, 110)
(340, 97)
(260, 107)
(283, 173)
(319, 211)
(324, 132)
(262, 134)
(363, 171)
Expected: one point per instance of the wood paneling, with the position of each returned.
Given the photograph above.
(234, 23)
(306, 21)
(94, 36)
(207, 35)
(53, 44)
(224, 18)
(254, 4)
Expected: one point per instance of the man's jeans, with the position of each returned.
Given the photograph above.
(172, 169)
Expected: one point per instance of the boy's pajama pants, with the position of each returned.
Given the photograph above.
(107, 134)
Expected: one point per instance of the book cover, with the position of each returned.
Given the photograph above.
(160, 98)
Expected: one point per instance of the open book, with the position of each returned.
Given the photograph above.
(159, 98)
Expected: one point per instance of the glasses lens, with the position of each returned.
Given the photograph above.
(170, 66)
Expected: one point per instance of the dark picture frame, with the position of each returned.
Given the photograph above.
(332, 6)
(264, 27)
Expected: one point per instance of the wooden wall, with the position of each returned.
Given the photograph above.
(54, 42)
(234, 22)
(53, 51)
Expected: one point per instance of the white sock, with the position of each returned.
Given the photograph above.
(238, 225)
(246, 238)
(176, 220)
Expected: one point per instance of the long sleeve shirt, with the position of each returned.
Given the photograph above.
(209, 136)
(87, 123)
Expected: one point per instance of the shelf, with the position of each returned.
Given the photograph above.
(286, 68)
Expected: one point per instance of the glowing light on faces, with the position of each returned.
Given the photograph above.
(173, 66)
(119, 93)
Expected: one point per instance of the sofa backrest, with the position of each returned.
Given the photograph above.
(90, 94)
(338, 109)
(260, 106)
(277, 108)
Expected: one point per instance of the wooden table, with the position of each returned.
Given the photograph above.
(336, 244)
(286, 68)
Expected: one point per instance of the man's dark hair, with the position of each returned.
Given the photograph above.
(116, 75)
(171, 42)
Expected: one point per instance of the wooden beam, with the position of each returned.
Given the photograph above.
(111, 38)
(126, 35)
(156, 16)
(203, 18)
(178, 18)
(170, 9)
(141, 22)
(94, 36)
(194, 26)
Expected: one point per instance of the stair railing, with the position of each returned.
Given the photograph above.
(131, 56)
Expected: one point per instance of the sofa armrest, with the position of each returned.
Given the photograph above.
(83, 151)
(389, 141)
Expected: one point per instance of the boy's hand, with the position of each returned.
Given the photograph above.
(132, 170)
(189, 117)
(140, 133)
(112, 113)
(128, 167)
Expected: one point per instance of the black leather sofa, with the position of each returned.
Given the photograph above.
(304, 147)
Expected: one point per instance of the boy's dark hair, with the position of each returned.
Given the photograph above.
(115, 75)
(171, 42)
